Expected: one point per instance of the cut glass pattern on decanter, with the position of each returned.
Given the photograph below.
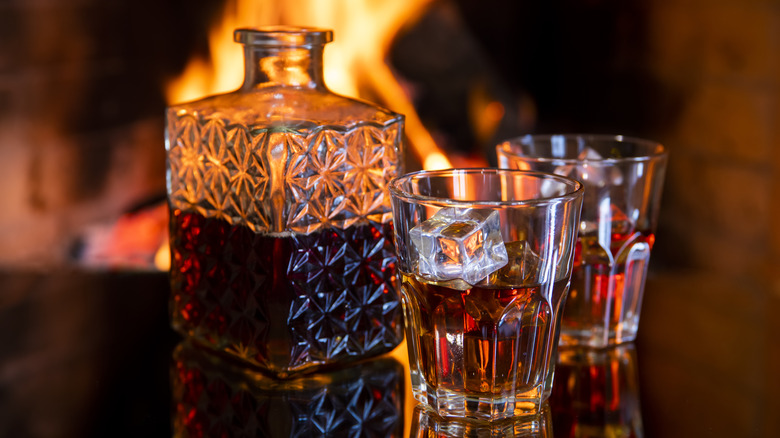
(330, 178)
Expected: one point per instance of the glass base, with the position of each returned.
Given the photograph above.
(426, 423)
(451, 404)
(597, 337)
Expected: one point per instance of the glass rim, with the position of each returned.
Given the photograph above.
(282, 36)
(575, 189)
(656, 150)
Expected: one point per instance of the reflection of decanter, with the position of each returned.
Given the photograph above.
(281, 236)
(212, 396)
(596, 393)
(426, 423)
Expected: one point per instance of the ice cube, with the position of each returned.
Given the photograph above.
(588, 153)
(522, 267)
(459, 243)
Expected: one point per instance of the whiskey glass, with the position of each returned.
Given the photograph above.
(623, 180)
(484, 258)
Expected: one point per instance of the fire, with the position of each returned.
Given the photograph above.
(354, 61)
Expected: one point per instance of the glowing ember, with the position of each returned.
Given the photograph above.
(162, 258)
(130, 242)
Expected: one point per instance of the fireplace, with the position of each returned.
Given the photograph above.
(83, 86)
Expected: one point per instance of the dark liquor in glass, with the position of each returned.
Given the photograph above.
(607, 285)
(481, 341)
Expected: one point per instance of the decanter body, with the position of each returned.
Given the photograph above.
(281, 233)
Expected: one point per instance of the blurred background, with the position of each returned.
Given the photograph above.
(84, 84)
(83, 87)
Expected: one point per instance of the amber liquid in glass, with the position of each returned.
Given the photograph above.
(606, 285)
(480, 341)
(285, 302)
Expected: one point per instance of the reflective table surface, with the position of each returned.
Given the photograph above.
(86, 353)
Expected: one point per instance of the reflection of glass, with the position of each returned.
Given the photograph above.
(426, 423)
(623, 178)
(596, 393)
(212, 397)
(485, 258)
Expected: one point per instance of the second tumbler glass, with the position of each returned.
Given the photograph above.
(623, 178)
(485, 257)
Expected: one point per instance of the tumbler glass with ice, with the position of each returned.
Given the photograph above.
(485, 257)
(623, 178)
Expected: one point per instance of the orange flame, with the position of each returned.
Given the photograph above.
(363, 31)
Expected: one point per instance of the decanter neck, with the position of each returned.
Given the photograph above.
(283, 56)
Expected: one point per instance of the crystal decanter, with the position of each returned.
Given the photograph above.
(280, 222)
